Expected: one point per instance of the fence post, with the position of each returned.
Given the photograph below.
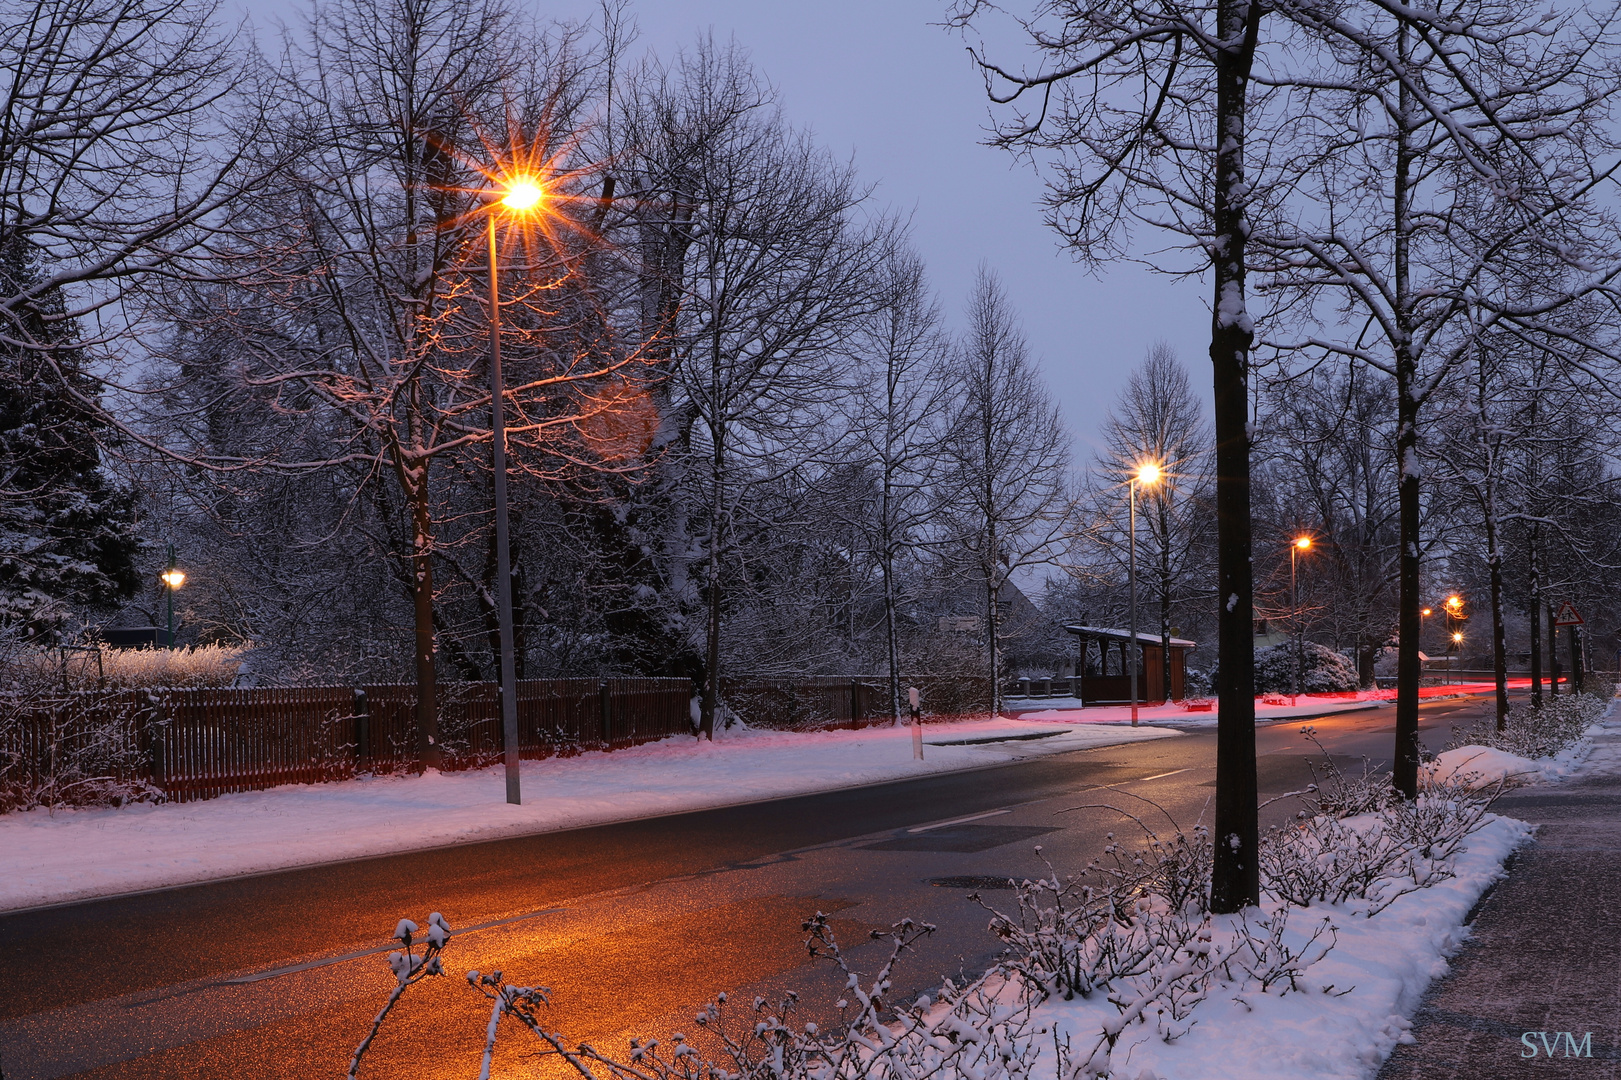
(362, 728)
(605, 701)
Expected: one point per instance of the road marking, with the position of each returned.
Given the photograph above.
(958, 820)
(291, 969)
(1156, 776)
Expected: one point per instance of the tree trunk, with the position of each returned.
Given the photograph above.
(1405, 772)
(1494, 559)
(1553, 652)
(1536, 618)
(711, 698)
(1235, 880)
(427, 710)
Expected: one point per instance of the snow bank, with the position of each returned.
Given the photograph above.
(1321, 1031)
(1482, 766)
(49, 857)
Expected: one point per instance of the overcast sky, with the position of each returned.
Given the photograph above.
(879, 80)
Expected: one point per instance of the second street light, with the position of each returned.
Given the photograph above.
(522, 196)
(1302, 543)
(1147, 475)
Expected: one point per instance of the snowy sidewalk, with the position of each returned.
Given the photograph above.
(1543, 957)
(51, 857)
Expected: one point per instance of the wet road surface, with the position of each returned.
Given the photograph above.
(633, 926)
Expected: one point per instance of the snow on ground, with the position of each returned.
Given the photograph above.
(1482, 766)
(1317, 1031)
(54, 856)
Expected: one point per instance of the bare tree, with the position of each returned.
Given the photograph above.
(1326, 450)
(1148, 114)
(903, 394)
(761, 271)
(364, 316)
(1436, 169)
(1008, 461)
(1158, 420)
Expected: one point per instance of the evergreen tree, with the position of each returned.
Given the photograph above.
(67, 533)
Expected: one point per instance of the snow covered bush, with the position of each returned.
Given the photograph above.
(31, 669)
(1326, 671)
(1355, 842)
(72, 750)
(1537, 733)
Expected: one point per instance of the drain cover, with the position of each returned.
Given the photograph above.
(972, 881)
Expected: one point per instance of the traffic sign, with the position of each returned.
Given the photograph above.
(1567, 615)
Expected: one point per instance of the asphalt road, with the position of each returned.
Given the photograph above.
(633, 926)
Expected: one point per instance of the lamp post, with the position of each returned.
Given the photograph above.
(1147, 475)
(1454, 606)
(521, 196)
(1302, 543)
(172, 580)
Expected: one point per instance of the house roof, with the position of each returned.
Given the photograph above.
(1125, 635)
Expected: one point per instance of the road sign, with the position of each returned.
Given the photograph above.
(1567, 615)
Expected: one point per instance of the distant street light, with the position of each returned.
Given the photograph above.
(172, 580)
(522, 195)
(1302, 543)
(1148, 475)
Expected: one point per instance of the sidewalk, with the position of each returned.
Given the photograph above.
(1545, 954)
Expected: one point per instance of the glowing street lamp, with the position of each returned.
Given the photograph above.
(522, 196)
(172, 579)
(1302, 543)
(1148, 474)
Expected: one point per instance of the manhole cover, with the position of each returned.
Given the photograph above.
(973, 882)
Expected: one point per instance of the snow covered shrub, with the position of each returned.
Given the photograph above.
(31, 669)
(1326, 671)
(1355, 841)
(72, 750)
(1537, 733)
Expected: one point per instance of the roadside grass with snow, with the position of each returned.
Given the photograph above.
(52, 856)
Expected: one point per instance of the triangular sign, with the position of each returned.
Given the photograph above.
(1567, 615)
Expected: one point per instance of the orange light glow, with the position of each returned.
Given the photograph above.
(1426, 611)
(1303, 543)
(1148, 474)
(173, 578)
(1454, 602)
(1457, 637)
(523, 194)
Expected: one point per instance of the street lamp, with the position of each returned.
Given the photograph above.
(1147, 474)
(1457, 647)
(522, 195)
(172, 580)
(1302, 543)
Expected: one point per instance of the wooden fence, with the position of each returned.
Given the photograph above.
(196, 744)
(843, 702)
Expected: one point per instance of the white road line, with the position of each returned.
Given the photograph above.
(958, 820)
(1157, 776)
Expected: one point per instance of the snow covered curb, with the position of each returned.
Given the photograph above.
(52, 857)
(1319, 1032)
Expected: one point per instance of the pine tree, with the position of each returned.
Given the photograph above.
(67, 532)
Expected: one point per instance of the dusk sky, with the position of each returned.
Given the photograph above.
(885, 83)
